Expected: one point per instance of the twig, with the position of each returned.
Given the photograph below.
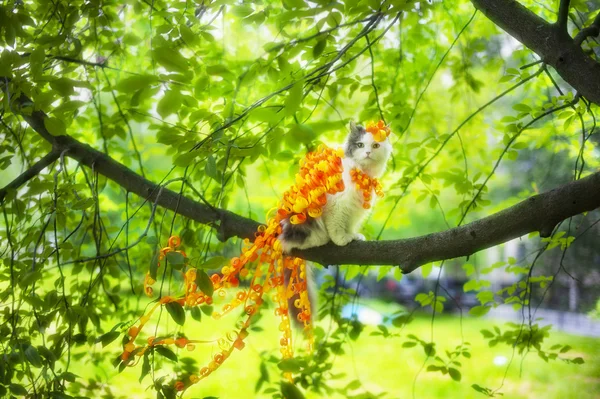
(30, 173)
(591, 31)
(563, 15)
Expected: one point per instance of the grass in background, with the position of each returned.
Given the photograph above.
(383, 365)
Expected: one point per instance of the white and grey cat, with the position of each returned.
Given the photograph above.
(344, 213)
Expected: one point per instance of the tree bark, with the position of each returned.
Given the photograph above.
(550, 41)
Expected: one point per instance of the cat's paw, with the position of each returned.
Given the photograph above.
(342, 240)
(359, 237)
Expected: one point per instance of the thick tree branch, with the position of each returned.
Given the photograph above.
(30, 173)
(226, 223)
(539, 213)
(549, 41)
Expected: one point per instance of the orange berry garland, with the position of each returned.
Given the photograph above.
(367, 185)
(320, 174)
(379, 130)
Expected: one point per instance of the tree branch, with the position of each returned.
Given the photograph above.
(549, 41)
(591, 31)
(563, 15)
(226, 223)
(30, 173)
(538, 213)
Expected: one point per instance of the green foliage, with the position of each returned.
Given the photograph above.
(217, 101)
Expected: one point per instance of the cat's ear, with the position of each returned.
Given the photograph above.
(356, 131)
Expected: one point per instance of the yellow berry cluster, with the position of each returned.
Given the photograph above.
(379, 130)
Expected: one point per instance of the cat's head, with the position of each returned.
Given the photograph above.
(368, 153)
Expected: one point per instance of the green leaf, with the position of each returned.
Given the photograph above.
(134, 83)
(565, 349)
(334, 19)
(426, 270)
(176, 311)
(433, 367)
(145, 367)
(107, 338)
(429, 349)
(204, 283)
(302, 133)
(64, 86)
(29, 278)
(131, 40)
(469, 269)
(152, 240)
(522, 107)
(83, 204)
(153, 270)
(291, 365)
(485, 297)
(471, 285)
(186, 158)
(284, 156)
(33, 356)
(170, 59)
(55, 126)
(168, 136)
(454, 373)
(319, 47)
(187, 35)
(215, 262)
(293, 99)
(290, 391)
(265, 115)
(242, 11)
(196, 314)
(207, 310)
(170, 103)
(166, 352)
(175, 258)
(211, 168)
(36, 61)
(401, 320)
(479, 310)
(17, 389)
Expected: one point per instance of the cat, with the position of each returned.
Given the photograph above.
(344, 212)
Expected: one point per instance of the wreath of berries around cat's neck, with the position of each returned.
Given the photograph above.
(367, 185)
(364, 182)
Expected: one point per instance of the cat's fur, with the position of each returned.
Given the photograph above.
(344, 213)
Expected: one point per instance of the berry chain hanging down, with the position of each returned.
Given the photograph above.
(262, 262)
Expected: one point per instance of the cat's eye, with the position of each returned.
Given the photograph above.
(360, 145)
(376, 145)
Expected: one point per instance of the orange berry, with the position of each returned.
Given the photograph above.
(174, 241)
(239, 344)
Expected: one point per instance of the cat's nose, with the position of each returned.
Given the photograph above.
(368, 152)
